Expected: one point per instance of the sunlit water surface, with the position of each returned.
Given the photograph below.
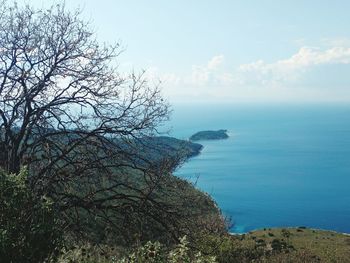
(281, 166)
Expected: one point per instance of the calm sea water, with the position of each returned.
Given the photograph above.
(281, 166)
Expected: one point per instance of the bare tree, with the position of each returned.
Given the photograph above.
(79, 125)
(56, 80)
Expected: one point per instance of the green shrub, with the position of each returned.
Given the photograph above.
(156, 253)
(28, 231)
(230, 249)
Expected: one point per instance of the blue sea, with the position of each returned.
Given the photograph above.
(283, 165)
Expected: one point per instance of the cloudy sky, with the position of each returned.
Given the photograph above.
(231, 50)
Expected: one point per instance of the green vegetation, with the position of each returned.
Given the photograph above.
(277, 245)
(294, 245)
(163, 146)
(151, 252)
(28, 225)
(209, 135)
(156, 253)
(88, 137)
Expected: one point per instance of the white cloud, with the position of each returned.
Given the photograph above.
(215, 62)
(208, 74)
(154, 74)
(283, 79)
(313, 56)
(200, 75)
(291, 69)
(260, 73)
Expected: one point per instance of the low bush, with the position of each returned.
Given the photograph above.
(28, 228)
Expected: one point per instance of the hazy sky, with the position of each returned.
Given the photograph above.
(247, 50)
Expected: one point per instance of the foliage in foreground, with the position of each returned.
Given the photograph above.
(28, 229)
(155, 253)
(280, 245)
(151, 252)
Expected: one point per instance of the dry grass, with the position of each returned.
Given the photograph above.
(314, 245)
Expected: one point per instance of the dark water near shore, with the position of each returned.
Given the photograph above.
(281, 166)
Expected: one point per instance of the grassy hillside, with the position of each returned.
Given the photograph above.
(279, 245)
(322, 246)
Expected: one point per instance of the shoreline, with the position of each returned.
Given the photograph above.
(287, 227)
(200, 151)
